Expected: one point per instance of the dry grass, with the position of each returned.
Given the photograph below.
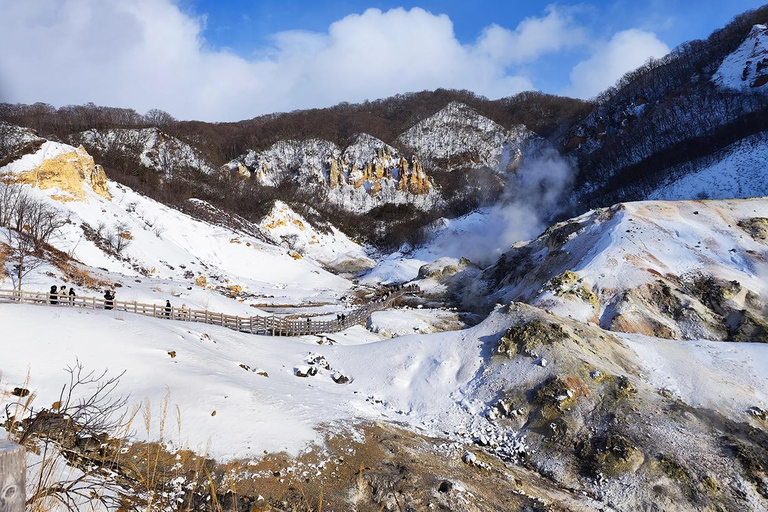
(4, 254)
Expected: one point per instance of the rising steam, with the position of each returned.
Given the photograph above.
(533, 196)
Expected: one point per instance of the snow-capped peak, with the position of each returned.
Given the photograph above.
(459, 137)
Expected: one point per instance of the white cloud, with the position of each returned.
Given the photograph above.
(625, 51)
(148, 54)
(532, 38)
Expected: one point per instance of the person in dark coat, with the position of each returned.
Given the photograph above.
(71, 296)
(54, 294)
(168, 309)
(109, 297)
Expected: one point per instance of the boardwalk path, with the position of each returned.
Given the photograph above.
(266, 325)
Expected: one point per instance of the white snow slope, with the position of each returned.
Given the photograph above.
(169, 251)
(737, 171)
(439, 384)
(747, 68)
(632, 245)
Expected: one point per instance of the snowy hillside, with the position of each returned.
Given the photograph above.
(152, 147)
(332, 248)
(670, 269)
(458, 137)
(166, 253)
(747, 68)
(13, 138)
(737, 171)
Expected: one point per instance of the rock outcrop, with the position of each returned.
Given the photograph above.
(676, 270)
(458, 137)
(368, 173)
(61, 167)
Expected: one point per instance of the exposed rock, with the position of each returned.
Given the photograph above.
(614, 455)
(368, 173)
(59, 166)
(340, 378)
(757, 227)
(305, 371)
(20, 392)
(528, 338)
(334, 177)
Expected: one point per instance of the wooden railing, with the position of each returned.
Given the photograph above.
(266, 325)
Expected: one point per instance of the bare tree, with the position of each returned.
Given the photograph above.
(82, 429)
(29, 226)
(119, 238)
(159, 118)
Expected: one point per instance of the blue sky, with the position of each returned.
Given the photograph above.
(246, 26)
(229, 60)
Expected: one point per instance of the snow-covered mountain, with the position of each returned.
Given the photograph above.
(458, 137)
(680, 270)
(150, 146)
(674, 117)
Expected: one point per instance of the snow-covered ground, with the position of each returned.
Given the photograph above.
(451, 239)
(415, 379)
(715, 375)
(737, 171)
(439, 384)
(400, 322)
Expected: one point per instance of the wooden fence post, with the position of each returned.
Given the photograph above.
(13, 467)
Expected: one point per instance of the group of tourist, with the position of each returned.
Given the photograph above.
(60, 294)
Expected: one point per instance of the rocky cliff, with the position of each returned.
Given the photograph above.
(458, 137)
(66, 169)
(370, 173)
(366, 174)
